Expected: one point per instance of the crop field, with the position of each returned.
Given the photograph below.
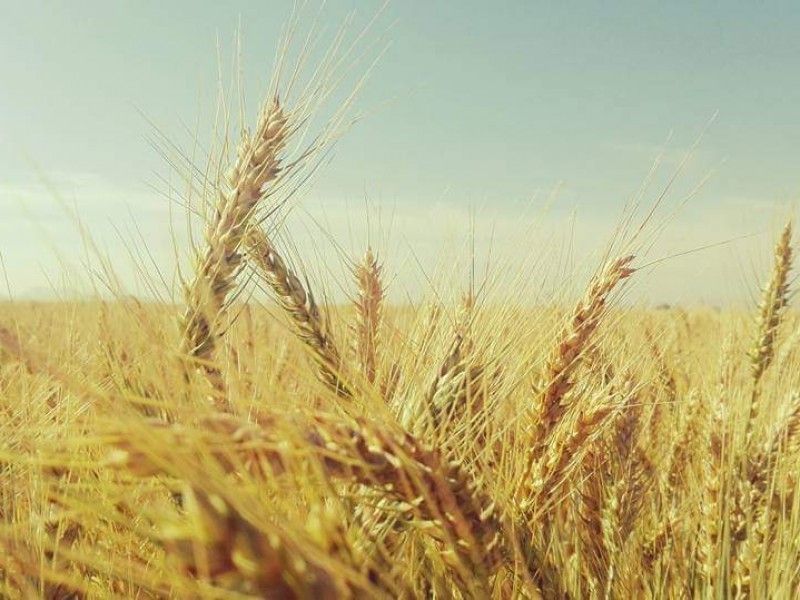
(253, 439)
(424, 451)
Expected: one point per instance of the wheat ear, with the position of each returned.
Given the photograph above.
(785, 440)
(749, 517)
(711, 525)
(301, 307)
(431, 489)
(763, 466)
(459, 398)
(614, 491)
(368, 306)
(238, 194)
(225, 547)
(553, 456)
(773, 301)
(572, 341)
(438, 494)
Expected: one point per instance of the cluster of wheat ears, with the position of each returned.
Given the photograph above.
(442, 450)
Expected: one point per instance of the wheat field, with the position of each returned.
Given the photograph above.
(465, 446)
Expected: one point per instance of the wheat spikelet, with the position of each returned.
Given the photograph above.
(459, 400)
(750, 515)
(449, 385)
(756, 507)
(631, 485)
(462, 392)
(665, 394)
(548, 481)
(550, 474)
(256, 166)
(773, 301)
(301, 307)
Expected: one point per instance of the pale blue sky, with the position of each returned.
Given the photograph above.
(473, 104)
